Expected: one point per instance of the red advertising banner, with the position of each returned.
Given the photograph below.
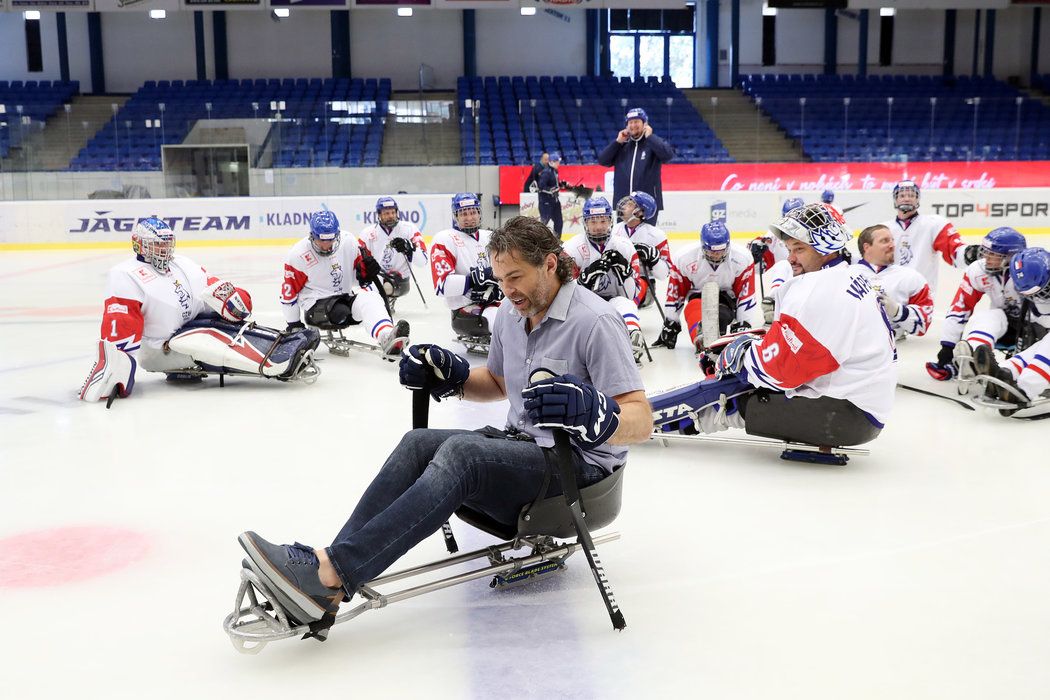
(776, 177)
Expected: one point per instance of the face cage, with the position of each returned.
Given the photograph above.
(391, 224)
(716, 261)
(157, 252)
(1041, 294)
(335, 245)
(462, 227)
(630, 209)
(907, 190)
(606, 227)
(1004, 260)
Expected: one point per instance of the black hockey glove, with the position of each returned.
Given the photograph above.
(431, 367)
(295, 327)
(403, 246)
(944, 368)
(737, 327)
(669, 335)
(647, 254)
(368, 269)
(758, 251)
(617, 264)
(592, 277)
(971, 253)
(483, 288)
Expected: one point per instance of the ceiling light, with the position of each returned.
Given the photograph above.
(404, 12)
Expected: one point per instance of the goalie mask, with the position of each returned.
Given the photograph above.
(818, 225)
(998, 246)
(637, 207)
(466, 213)
(154, 242)
(387, 212)
(1030, 272)
(906, 196)
(597, 220)
(324, 232)
(714, 239)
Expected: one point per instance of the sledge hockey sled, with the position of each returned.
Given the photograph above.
(258, 617)
(1006, 398)
(246, 349)
(473, 331)
(339, 344)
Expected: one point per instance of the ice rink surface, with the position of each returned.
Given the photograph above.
(920, 571)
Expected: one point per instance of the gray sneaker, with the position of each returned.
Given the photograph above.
(291, 571)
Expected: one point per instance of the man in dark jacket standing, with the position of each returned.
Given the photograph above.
(637, 155)
(530, 182)
(547, 194)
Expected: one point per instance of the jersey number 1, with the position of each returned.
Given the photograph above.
(113, 328)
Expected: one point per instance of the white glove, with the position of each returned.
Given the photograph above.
(891, 306)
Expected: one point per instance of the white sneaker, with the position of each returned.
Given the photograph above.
(395, 340)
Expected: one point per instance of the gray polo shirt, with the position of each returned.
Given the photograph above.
(580, 334)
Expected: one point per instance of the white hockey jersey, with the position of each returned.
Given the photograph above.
(144, 307)
(690, 270)
(919, 239)
(647, 233)
(377, 241)
(1001, 293)
(452, 256)
(830, 337)
(584, 254)
(309, 277)
(906, 287)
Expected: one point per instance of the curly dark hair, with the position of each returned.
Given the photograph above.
(533, 242)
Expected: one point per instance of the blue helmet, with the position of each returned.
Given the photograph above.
(827, 196)
(387, 203)
(714, 239)
(594, 209)
(999, 245)
(630, 205)
(819, 225)
(1030, 272)
(153, 242)
(906, 186)
(636, 113)
(793, 203)
(462, 203)
(324, 226)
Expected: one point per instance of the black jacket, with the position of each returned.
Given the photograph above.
(547, 183)
(644, 157)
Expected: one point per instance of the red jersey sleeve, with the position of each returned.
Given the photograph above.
(922, 304)
(947, 243)
(788, 357)
(294, 281)
(122, 323)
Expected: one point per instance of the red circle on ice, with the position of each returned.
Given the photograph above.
(65, 555)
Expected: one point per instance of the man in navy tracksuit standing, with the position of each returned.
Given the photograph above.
(547, 194)
(637, 155)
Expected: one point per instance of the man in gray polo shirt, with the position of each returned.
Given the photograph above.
(547, 321)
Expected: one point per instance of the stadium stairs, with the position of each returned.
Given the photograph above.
(426, 133)
(747, 133)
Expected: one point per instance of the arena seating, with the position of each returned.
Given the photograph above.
(311, 131)
(897, 117)
(520, 117)
(34, 99)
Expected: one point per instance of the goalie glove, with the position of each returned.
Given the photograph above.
(232, 303)
(431, 367)
(567, 402)
(731, 359)
(617, 264)
(647, 254)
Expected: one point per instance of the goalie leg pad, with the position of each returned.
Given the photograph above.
(677, 408)
(822, 421)
(231, 348)
(333, 313)
(113, 372)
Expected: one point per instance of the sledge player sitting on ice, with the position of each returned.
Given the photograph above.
(327, 278)
(1028, 371)
(608, 266)
(650, 243)
(394, 244)
(462, 273)
(903, 291)
(597, 398)
(729, 267)
(158, 314)
(965, 330)
(919, 237)
(824, 373)
(770, 256)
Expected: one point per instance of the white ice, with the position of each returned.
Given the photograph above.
(920, 571)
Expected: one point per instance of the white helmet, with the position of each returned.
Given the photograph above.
(153, 242)
(819, 225)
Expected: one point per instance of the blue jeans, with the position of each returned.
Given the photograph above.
(425, 479)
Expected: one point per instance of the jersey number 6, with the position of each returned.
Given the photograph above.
(770, 352)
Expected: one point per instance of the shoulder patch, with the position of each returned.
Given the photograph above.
(144, 273)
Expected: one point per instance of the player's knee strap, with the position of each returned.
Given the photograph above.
(333, 313)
